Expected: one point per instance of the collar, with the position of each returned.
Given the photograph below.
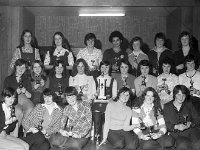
(59, 53)
(55, 106)
(5, 107)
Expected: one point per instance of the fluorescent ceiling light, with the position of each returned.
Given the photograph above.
(102, 14)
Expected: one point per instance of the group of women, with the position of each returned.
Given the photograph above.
(151, 99)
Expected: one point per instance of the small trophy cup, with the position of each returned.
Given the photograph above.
(37, 80)
(143, 81)
(164, 86)
(102, 88)
(21, 84)
(60, 92)
(12, 108)
(185, 119)
(124, 79)
(40, 127)
(93, 61)
(70, 131)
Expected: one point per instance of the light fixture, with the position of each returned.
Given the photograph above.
(102, 14)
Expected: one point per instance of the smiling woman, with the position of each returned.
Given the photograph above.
(27, 49)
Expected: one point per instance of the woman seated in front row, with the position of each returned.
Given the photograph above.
(182, 120)
(76, 123)
(8, 122)
(148, 115)
(117, 122)
(42, 121)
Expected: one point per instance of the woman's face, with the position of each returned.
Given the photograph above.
(48, 100)
(9, 100)
(124, 68)
(190, 65)
(72, 100)
(20, 70)
(180, 97)
(27, 38)
(149, 97)
(116, 42)
(124, 97)
(59, 69)
(90, 43)
(166, 68)
(144, 70)
(159, 42)
(136, 45)
(37, 68)
(58, 40)
(81, 68)
(185, 40)
(104, 69)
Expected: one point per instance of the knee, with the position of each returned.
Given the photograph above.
(45, 146)
(39, 138)
(183, 144)
(133, 144)
(118, 144)
(196, 145)
(167, 142)
(76, 145)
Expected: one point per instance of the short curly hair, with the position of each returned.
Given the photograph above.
(115, 34)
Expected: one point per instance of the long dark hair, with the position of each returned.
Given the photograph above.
(33, 39)
(42, 74)
(74, 69)
(65, 42)
(157, 106)
(56, 64)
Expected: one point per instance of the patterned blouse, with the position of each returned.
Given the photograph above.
(59, 54)
(80, 120)
(86, 81)
(17, 55)
(146, 117)
(92, 59)
(171, 81)
(38, 115)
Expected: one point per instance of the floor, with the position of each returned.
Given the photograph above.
(91, 146)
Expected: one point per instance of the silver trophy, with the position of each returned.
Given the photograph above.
(102, 87)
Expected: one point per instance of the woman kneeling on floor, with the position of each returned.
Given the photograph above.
(42, 121)
(117, 122)
(148, 115)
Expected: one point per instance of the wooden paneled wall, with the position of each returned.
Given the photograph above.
(10, 30)
(75, 28)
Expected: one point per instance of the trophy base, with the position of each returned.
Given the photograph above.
(102, 97)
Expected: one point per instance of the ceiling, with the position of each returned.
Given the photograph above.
(74, 11)
(113, 3)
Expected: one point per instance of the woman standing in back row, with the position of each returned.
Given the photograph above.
(60, 51)
(26, 50)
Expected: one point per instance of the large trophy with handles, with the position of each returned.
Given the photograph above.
(102, 87)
